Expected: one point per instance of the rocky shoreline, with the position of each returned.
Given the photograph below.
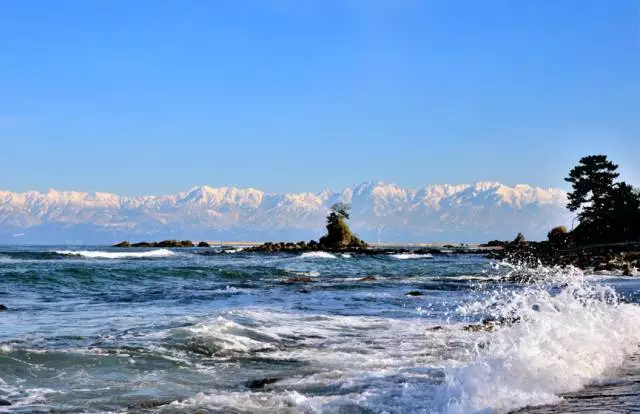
(314, 246)
(616, 257)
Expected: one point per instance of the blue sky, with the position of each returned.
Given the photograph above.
(151, 97)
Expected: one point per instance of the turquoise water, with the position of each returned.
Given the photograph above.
(98, 329)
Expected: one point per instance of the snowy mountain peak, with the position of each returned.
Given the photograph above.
(465, 212)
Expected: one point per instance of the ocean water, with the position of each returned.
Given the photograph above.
(98, 330)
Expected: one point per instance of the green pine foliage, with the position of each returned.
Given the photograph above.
(608, 211)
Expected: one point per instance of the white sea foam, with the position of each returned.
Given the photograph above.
(234, 250)
(567, 332)
(565, 338)
(224, 336)
(257, 402)
(408, 256)
(317, 255)
(345, 353)
(311, 273)
(95, 254)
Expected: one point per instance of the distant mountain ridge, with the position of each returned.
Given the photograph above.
(380, 212)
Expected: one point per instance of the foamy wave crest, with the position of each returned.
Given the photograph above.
(116, 255)
(234, 250)
(23, 399)
(223, 336)
(383, 356)
(566, 333)
(257, 402)
(409, 256)
(317, 255)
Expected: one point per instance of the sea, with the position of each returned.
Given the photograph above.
(219, 330)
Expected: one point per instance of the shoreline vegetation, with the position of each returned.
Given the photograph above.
(607, 237)
(608, 234)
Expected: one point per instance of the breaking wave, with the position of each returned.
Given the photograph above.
(116, 255)
(408, 256)
(557, 337)
(317, 255)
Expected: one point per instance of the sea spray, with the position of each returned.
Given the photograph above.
(559, 334)
(221, 333)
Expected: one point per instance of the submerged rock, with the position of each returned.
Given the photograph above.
(414, 293)
(490, 324)
(148, 404)
(204, 244)
(479, 327)
(3, 308)
(301, 279)
(260, 383)
(4, 402)
(367, 279)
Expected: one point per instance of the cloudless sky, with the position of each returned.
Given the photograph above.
(153, 97)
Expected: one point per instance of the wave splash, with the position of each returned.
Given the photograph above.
(317, 255)
(409, 256)
(91, 254)
(566, 333)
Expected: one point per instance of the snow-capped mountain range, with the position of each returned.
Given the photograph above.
(380, 212)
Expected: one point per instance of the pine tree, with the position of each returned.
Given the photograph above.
(592, 181)
(608, 211)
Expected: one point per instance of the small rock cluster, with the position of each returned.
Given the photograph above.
(163, 244)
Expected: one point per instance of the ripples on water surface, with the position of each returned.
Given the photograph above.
(108, 330)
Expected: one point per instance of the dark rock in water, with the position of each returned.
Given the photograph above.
(302, 279)
(504, 320)
(490, 324)
(495, 243)
(427, 251)
(414, 293)
(4, 402)
(367, 279)
(144, 244)
(435, 328)
(148, 404)
(479, 327)
(260, 383)
(204, 244)
(168, 243)
(3, 308)
(163, 244)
